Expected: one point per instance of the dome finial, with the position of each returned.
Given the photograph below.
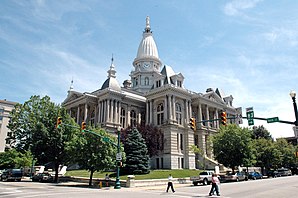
(147, 29)
(71, 86)
(112, 71)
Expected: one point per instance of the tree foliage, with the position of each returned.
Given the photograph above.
(261, 132)
(137, 158)
(15, 159)
(267, 155)
(33, 128)
(287, 150)
(152, 135)
(92, 153)
(232, 146)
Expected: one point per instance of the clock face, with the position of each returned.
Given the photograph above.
(146, 65)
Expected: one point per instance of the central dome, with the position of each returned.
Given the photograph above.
(147, 47)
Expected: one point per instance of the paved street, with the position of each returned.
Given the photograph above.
(273, 188)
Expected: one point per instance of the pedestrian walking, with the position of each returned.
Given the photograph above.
(215, 185)
(170, 183)
(107, 179)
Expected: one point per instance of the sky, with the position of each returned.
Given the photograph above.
(246, 48)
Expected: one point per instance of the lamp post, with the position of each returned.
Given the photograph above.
(117, 184)
(293, 96)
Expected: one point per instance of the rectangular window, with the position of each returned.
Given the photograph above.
(181, 141)
(161, 162)
(157, 163)
(182, 162)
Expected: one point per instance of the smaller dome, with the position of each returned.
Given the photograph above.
(111, 83)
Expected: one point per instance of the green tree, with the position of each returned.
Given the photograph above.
(287, 153)
(152, 135)
(137, 158)
(232, 146)
(33, 128)
(199, 152)
(261, 132)
(15, 159)
(267, 155)
(94, 153)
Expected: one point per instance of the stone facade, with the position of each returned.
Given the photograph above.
(5, 108)
(156, 95)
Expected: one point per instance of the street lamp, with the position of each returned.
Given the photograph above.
(117, 184)
(293, 96)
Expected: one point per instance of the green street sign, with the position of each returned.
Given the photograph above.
(250, 122)
(274, 119)
(250, 115)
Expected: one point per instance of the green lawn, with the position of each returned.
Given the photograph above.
(154, 174)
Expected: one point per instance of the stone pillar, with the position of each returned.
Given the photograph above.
(86, 112)
(151, 112)
(207, 116)
(78, 115)
(200, 115)
(166, 109)
(174, 108)
(170, 107)
(147, 113)
(108, 110)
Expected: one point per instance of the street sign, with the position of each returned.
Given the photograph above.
(250, 122)
(274, 119)
(118, 156)
(250, 115)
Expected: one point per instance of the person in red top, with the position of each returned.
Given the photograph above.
(215, 183)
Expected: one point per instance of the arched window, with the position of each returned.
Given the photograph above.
(133, 118)
(146, 81)
(160, 114)
(178, 113)
(122, 118)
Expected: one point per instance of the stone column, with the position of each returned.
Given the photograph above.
(108, 110)
(217, 121)
(174, 108)
(78, 115)
(86, 112)
(147, 112)
(200, 115)
(207, 116)
(151, 112)
(166, 109)
(128, 114)
(170, 107)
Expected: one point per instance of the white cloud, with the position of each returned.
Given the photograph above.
(237, 7)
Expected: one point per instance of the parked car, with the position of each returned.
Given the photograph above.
(42, 177)
(236, 176)
(255, 175)
(12, 175)
(283, 172)
(272, 173)
(204, 178)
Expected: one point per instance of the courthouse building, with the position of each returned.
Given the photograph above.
(155, 95)
(5, 108)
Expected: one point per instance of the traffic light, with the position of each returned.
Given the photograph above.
(59, 122)
(83, 126)
(192, 123)
(223, 118)
(119, 163)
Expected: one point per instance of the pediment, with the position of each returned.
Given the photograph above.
(72, 95)
(214, 97)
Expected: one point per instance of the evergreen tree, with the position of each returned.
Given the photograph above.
(137, 158)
